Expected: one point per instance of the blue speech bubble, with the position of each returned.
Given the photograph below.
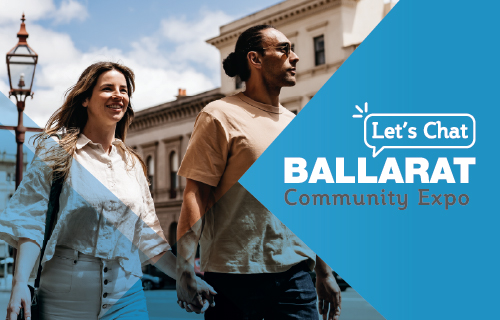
(419, 131)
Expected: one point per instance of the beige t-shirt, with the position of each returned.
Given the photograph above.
(240, 235)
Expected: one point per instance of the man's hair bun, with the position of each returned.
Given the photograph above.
(230, 64)
(236, 62)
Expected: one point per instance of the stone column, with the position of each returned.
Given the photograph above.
(161, 174)
(138, 149)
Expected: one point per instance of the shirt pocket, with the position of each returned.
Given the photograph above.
(57, 275)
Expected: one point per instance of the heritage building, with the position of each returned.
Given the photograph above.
(7, 189)
(323, 33)
(8, 176)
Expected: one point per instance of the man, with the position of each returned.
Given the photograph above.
(257, 266)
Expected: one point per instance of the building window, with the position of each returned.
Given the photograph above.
(151, 173)
(238, 82)
(174, 166)
(319, 50)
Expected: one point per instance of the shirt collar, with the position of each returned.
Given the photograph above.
(262, 106)
(119, 142)
(83, 141)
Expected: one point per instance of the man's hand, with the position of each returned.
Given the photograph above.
(329, 298)
(194, 294)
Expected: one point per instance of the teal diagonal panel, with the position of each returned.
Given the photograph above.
(407, 259)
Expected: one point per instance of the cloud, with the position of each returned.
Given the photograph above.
(34, 10)
(163, 62)
(190, 37)
(70, 10)
(41, 9)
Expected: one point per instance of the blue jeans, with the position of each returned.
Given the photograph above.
(285, 295)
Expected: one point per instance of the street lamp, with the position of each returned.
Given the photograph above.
(21, 64)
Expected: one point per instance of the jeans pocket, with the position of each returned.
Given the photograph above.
(57, 275)
(305, 287)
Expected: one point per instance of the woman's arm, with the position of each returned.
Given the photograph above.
(166, 262)
(20, 296)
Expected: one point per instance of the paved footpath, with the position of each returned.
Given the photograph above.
(4, 301)
(162, 304)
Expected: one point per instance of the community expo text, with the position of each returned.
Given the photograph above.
(296, 172)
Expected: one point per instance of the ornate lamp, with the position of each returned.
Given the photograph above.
(21, 64)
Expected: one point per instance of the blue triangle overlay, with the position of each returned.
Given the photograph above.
(84, 180)
(424, 261)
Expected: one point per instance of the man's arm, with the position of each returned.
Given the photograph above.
(329, 297)
(195, 204)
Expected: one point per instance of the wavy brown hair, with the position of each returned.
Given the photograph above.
(70, 119)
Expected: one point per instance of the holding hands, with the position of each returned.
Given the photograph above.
(193, 293)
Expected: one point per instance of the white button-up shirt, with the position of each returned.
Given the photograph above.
(106, 209)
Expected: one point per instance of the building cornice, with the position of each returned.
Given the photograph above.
(185, 107)
(324, 68)
(279, 18)
(168, 203)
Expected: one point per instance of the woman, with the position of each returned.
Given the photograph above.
(106, 226)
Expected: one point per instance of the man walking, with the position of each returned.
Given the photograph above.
(258, 267)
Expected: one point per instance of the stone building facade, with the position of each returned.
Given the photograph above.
(8, 176)
(7, 189)
(323, 32)
(160, 135)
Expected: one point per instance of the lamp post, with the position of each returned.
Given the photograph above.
(21, 64)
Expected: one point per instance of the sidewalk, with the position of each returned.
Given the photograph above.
(4, 301)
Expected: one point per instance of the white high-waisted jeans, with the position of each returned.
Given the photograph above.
(78, 286)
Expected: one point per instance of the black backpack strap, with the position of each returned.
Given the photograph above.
(51, 217)
(53, 209)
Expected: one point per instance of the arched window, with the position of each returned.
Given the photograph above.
(151, 172)
(174, 166)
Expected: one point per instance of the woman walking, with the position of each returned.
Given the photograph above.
(106, 227)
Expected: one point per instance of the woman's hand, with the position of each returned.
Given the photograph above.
(194, 294)
(206, 291)
(20, 297)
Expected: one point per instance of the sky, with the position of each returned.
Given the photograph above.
(162, 41)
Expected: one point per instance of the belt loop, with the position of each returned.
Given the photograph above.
(75, 255)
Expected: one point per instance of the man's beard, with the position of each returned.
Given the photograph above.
(283, 80)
